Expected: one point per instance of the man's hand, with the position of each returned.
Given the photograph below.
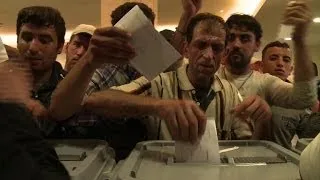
(298, 14)
(110, 45)
(253, 107)
(185, 120)
(258, 110)
(191, 6)
(38, 111)
(15, 82)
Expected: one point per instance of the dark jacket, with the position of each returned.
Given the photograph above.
(24, 152)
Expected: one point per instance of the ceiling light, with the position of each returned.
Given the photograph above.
(316, 20)
(250, 7)
(221, 11)
(288, 39)
(171, 27)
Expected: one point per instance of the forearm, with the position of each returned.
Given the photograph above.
(116, 104)
(178, 38)
(68, 96)
(303, 69)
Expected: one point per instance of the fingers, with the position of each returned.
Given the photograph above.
(183, 124)
(112, 32)
(242, 107)
(253, 109)
(297, 13)
(15, 83)
(193, 124)
(263, 117)
(201, 119)
(184, 119)
(113, 42)
(110, 45)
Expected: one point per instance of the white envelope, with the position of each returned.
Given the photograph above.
(3, 52)
(207, 150)
(154, 53)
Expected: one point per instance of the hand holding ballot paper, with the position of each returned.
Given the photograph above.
(206, 150)
(154, 53)
(297, 18)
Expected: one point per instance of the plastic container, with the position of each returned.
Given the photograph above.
(301, 144)
(250, 160)
(85, 159)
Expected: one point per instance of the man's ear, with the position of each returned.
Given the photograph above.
(61, 47)
(257, 46)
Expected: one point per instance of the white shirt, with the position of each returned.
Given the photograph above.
(298, 95)
(310, 160)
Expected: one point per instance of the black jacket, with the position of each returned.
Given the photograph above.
(24, 152)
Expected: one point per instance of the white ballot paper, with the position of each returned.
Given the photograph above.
(3, 52)
(207, 150)
(285, 32)
(154, 52)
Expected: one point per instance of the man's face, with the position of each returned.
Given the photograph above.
(241, 45)
(39, 46)
(76, 48)
(277, 62)
(206, 49)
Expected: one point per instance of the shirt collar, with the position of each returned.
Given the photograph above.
(185, 84)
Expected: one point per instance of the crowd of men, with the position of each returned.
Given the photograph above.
(100, 95)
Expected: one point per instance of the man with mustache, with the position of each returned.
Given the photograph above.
(276, 60)
(78, 44)
(40, 38)
(244, 39)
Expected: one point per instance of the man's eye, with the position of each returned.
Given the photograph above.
(217, 48)
(27, 37)
(45, 39)
(245, 38)
(287, 60)
(202, 45)
(273, 58)
(231, 37)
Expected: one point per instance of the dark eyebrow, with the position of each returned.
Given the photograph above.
(287, 57)
(45, 36)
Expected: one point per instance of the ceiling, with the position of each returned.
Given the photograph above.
(74, 12)
(96, 12)
(270, 16)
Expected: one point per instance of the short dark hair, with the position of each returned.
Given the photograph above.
(42, 16)
(315, 68)
(123, 9)
(86, 35)
(274, 44)
(167, 34)
(195, 20)
(245, 21)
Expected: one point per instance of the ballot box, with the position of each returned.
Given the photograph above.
(245, 160)
(302, 144)
(85, 159)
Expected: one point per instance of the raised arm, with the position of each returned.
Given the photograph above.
(107, 45)
(190, 8)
